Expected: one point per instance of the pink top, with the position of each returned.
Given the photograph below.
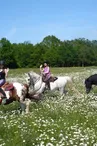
(46, 71)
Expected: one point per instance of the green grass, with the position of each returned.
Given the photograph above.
(70, 120)
(55, 70)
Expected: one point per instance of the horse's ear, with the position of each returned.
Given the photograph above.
(29, 74)
(87, 81)
(26, 74)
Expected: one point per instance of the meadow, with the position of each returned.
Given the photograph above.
(70, 120)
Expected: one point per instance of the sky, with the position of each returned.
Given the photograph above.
(32, 20)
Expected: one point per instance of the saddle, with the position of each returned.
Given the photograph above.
(8, 86)
(12, 90)
(51, 79)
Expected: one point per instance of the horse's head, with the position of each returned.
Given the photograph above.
(31, 78)
(88, 86)
(27, 78)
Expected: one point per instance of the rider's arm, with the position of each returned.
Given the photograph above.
(41, 68)
(6, 71)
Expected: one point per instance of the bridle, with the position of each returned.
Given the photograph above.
(33, 83)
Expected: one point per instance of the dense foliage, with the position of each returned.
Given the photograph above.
(78, 52)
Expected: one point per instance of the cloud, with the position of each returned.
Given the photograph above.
(11, 33)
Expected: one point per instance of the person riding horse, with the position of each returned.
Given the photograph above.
(46, 74)
(3, 75)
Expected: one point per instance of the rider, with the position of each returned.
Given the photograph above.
(3, 75)
(46, 74)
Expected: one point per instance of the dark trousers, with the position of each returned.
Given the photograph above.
(3, 93)
(48, 84)
(47, 81)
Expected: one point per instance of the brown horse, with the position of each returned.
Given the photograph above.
(10, 92)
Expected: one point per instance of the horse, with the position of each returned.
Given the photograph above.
(16, 91)
(37, 85)
(92, 80)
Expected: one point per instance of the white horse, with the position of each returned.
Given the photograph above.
(37, 85)
(18, 93)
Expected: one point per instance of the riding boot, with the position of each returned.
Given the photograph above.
(8, 101)
(3, 93)
(48, 85)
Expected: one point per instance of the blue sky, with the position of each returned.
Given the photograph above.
(32, 20)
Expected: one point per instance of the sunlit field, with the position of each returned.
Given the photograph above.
(70, 120)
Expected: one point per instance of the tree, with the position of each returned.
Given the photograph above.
(77, 52)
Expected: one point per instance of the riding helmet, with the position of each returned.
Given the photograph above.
(46, 62)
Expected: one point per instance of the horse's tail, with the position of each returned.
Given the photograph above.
(73, 88)
(69, 79)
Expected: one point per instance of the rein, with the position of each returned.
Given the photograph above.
(36, 81)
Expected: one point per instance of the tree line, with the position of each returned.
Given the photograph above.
(77, 52)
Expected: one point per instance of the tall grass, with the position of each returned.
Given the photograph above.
(70, 120)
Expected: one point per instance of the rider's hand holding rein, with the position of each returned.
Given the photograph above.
(41, 66)
(42, 70)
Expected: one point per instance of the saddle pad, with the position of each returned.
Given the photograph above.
(8, 87)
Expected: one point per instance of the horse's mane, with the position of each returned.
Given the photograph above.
(34, 74)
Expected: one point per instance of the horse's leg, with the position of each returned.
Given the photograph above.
(23, 107)
(62, 91)
(27, 103)
(36, 97)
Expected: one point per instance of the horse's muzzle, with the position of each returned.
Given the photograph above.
(87, 91)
